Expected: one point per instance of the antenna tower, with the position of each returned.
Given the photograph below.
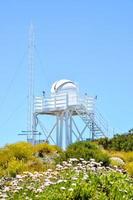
(31, 48)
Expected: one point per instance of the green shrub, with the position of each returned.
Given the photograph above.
(23, 156)
(129, 168)
(127, 156)
(5, 157)
(44, 148)
(35, 164)
(13, 158)
(86, 150)
(15, 167)
(21, 150)
(107, 186)
(123, 142)
(60, 158)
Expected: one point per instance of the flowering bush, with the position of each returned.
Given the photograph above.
(74, 180)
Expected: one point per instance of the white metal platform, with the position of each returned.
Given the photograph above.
(61, 102)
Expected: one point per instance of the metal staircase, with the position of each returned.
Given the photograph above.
(94, 121)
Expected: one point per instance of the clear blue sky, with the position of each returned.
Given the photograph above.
(90, 42)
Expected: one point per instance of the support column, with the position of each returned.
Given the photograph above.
(93, 127)
(67, 129)
(57, 131)
(34, 125)
(70, 119)
(61, 131)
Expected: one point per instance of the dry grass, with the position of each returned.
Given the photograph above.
(127, 157)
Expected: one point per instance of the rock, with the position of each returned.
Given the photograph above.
(117, 160)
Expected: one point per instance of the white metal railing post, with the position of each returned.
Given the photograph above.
(43, 103)
(55, 101)
(67, 100)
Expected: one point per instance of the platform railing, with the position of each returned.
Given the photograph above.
(62, 101)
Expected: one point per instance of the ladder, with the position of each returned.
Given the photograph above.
(94, 121)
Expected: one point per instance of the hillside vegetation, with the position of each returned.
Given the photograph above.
(86, 150)
(120, 146)
(85, 170)
(74, 180)
(22, 156)
(122, 142)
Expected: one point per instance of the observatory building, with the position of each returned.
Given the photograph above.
(66, 104)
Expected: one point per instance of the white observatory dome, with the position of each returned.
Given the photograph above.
(63, 85)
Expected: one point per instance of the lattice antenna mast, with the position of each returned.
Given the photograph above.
(31, 50)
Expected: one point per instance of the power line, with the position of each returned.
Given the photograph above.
(41, 63)
(12, 114)
(11, 82)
